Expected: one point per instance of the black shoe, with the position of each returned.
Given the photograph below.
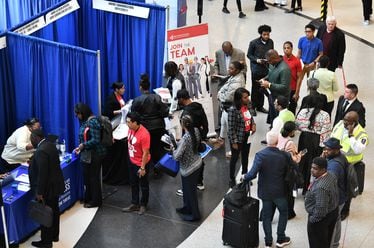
(55, 239)
(41, 244)
(89, 205)
(131, 208)
(264, 142)
(242, 15)
(275, 4)
(291, 216)
(299, 8)
(225, 10)
(282, 4)
(284, 242)
(289, 11)
(263, 110)
(343, 216)
(261, 9)
(182, 210)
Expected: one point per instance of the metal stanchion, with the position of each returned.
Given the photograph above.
(3, 218)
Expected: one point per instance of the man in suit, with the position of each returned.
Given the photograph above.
(271, 165)
(277, 82)
(256, 54)
(349, 102)
(224, 57)
(333, 41)
(47, 183)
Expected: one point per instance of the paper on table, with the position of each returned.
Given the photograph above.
(23, 187)
(23, 178)
(121, 132)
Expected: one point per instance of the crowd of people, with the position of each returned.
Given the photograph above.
(323, 152)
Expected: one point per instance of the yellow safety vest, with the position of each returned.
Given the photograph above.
(359, 133)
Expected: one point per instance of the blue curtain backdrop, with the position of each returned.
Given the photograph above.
(13, 12)
(7, 100)
(128, 45)
(49, 79)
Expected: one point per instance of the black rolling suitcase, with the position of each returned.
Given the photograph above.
(240, 222)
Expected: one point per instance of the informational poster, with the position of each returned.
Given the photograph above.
(188, 47)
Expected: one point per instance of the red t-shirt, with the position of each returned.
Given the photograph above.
(295, 67)
(137, 141)
(247, 118)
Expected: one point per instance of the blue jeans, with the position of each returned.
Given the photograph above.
(267, 211)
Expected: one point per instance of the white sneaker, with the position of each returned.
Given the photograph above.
(228, 154)
(366, 22)
(200, 187)
(179, 192)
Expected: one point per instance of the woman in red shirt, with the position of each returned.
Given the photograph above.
(240, 126)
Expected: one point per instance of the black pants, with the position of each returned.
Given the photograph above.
(92, 183)
(360, 171)
(238, 3)
(367, 6)
(309, 141)
(200, 180)
(48, 234)
(156, 149)
(137, 182)
(189, 187)
(244, 149)
(330, 107)
(293, 3)
(293, 104)
(260, 5)
(257, 95)
(273, 113)
(320, 233)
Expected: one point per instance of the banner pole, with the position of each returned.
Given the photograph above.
(3, 218)
(98, 82)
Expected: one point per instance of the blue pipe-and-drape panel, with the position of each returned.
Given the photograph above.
(13, 12)
(7, 98)
(49, 79)
(129, 46)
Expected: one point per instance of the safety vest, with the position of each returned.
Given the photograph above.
(359, 133)
(286, 115)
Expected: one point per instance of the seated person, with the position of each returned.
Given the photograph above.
(18, 148)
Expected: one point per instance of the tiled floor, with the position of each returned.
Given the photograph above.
(111, 228)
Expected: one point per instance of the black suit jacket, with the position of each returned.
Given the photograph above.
(45, 173)
(111, 104)
(355, 106)
(336, 47)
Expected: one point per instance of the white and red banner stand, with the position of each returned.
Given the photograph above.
(188, 47)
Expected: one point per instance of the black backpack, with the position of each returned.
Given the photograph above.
(350, 178)
(106, 131)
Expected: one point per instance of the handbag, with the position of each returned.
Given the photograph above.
(238, 196)
(41, 213)
(168, 165)
(85, 156)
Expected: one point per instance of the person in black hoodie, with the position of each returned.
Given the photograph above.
(200, 121)
(152, 111)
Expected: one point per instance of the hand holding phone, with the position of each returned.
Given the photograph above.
(303, 152)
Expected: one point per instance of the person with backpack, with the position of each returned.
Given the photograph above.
(353, 139)
(337, 165)
(92, 152)
(200, 121)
